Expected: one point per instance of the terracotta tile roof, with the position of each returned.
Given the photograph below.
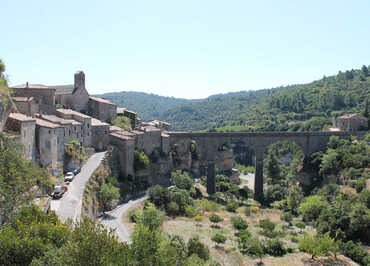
(21, 117)
(44, 123)
(22, 99)
(346, 116)
(96, 122)
(101, 100)
(63, 89)
(30, 86)
(58, 120)
(72, 112)
(120, 136)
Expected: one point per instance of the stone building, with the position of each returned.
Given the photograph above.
(47, 148)
(102, 109)
(26, 105)
(158, 124)
(25, 127)
(43, 96)
(100, 134)
(352, 122)
(85, 121)
(72, 129)
(135, 121)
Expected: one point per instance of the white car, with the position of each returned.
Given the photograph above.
(69, 177)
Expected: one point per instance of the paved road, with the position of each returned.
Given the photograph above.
(114, 219)
(70, 205)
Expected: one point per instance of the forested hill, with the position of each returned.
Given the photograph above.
(148, 106)
(309, 106)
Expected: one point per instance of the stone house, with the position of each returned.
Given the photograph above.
(72, 129)
(25, 127)
(48, 151)
(100, 134)
(85, 121)
(26, 105)
(43, 96)
(102, 109)
(135, 121)
(352, 122)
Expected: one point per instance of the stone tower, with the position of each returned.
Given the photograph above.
(80, 80)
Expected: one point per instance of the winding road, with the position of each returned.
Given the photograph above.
(70, 205)
(114, 219)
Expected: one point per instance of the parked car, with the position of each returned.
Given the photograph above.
(69, 177)
(77, 170)
(58, 192)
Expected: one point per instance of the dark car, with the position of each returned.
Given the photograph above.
(77, 170)
(58, 192)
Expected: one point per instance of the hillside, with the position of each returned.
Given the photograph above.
(148, 106)
(292, 108)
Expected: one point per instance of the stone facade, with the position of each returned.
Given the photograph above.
(352, 122)
(26, 105)
(85, 121)
(25, 127)
(102, 109)
(100, 134)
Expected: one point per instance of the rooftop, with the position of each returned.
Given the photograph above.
(30, 86)
(346, 116)
(22, 99)
(58, 120)
(121, 110)
(97, 122)
(44, 123)
(101, 100)
(21, 117)
(59, 89)
(121, 136)
(72, 112)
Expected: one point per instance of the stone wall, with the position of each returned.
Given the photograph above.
(46, 142)
(100, 137)
(102, 109)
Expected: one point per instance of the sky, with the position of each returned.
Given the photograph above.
(187, 49)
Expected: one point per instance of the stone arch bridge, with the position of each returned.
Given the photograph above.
(209, 143)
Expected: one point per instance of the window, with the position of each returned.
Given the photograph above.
(69, 132)
(24, 133)
(88, 125)
(49, 131)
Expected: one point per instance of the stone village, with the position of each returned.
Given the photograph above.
(48, 118)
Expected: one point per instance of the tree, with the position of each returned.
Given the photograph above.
(20, 180)
(107, 194)
(311, 207)
(151, 218)
(272, 168)
(317, 245)
(181, 180)
(294, 199)
(195, 246)
(365, 70)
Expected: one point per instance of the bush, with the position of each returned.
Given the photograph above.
(232, 206)
(312, 207)
(198, 248)
(198, 218)
(360, 185)
(254, 209)
(172, 208)
(134, 216)
(239, 223)
(182, 180)
(209, 206)
(190, 211)
(355, 252)
(287, 217)
(219, 238)
(141, 160)
(267, 225)
(274, 247)
(214, 218)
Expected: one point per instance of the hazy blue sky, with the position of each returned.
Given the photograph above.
(190, 49)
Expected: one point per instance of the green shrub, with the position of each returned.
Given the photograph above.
(190, 211)
(360, 185)
(209, 206)
(195, 246)
(274, 247)
(219, 238)
(267, 225)
(312, 206)
(239, 223)
(141, 160)
(214, 218)
(182, 180)
(198, 218)
(134, 216)
(232, 206)
(287, 217)
(355, 252)
(172, 208)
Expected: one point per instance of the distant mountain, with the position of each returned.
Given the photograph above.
(300, 107)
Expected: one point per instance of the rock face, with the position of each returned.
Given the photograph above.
(6, 106)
